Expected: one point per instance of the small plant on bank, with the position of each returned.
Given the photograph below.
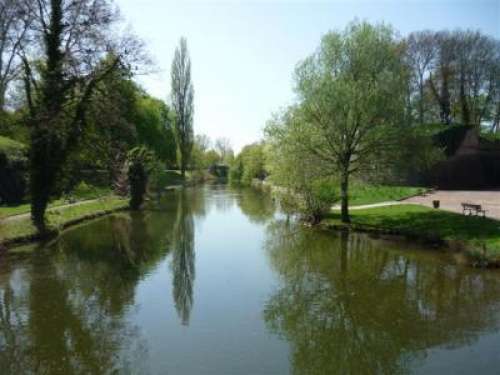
(312, 201)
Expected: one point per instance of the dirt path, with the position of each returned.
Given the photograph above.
(452, 200)
(63, 206)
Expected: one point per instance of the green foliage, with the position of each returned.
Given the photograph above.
(249, 164)
(202, 157)
(13, 125)
(312, 200)
(159, 178)
(351, 104)
(85, 191)
(13, 171)
(236, 171)
(11, 148)
(154, 124)
(306, 184)
(139, 159)
(183, 104)
(361, 193)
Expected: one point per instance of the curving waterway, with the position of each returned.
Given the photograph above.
(214, 281)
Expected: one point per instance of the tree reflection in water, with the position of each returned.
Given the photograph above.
(347, 305)
(64, 308)
(257, 205)
(183, 257)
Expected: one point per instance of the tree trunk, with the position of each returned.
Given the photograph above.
(183, 169)
(445, 101)
(421, 101)
(38, 208)
(464, 104)
(344, 196)
(2, 97)
(41, 181)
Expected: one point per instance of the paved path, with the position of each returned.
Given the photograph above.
(451, 200)
(374, 205)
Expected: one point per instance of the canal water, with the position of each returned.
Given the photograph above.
(214, 280)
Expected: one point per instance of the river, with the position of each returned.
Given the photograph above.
(214, 280)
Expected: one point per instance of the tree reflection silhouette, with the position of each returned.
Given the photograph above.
(183, 257)
(63, 309)
(349, 306)
(257, 205)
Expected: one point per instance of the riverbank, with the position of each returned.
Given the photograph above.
(476, 237)
(21, 230)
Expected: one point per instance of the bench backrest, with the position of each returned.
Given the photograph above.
(471, 205)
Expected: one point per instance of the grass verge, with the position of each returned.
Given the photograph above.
(479, 237)
(22, 230)
(361, 194)
(6, 211)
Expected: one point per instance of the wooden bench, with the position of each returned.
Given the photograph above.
(471, 208)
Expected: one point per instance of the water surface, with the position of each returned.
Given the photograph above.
(215, 281)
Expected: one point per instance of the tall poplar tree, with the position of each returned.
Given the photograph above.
(182, 102)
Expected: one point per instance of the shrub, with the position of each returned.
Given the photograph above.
(13, 171)
(84, 191)
(139, 158)
(312, 200)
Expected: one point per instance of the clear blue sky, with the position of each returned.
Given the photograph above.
(244, 52)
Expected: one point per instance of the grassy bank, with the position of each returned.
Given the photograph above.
(360, 194)
(82, 192)
(479, 237)
(22, 230)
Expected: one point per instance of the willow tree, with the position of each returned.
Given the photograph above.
(182, 102)
(351, 92)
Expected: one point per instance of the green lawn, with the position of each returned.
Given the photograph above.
(361, 194)
(24, 208)
(58, 218)
(422, 221)
(77, 196)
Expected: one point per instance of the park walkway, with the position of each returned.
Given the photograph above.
(373, 205)
(451, 200)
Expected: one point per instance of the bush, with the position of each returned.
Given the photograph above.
(83, 190)
(139, 159)
(312, 200)
(13, 171)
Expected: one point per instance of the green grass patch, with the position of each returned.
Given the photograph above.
(481, 234)
(57, 218)
(24, 208)
(361, 194)
(81, 193)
